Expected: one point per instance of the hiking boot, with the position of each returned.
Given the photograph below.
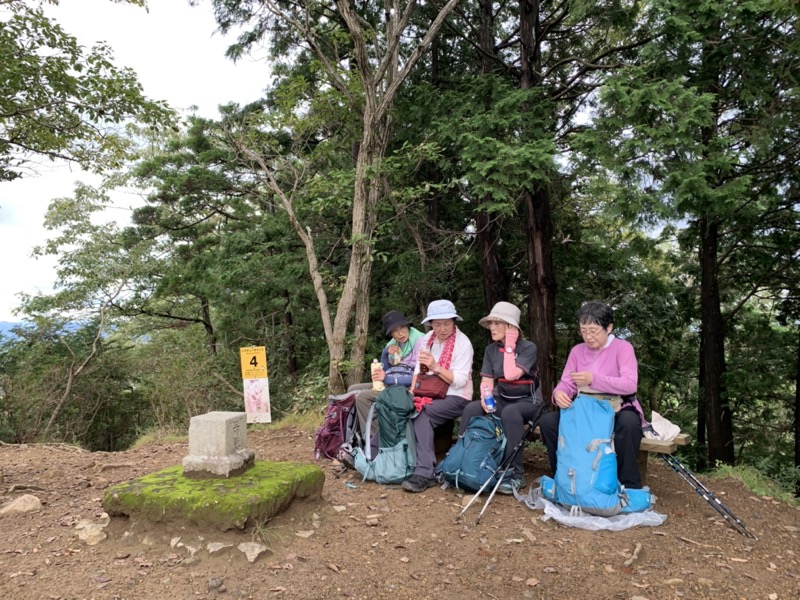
(418, 483)
(509, 485)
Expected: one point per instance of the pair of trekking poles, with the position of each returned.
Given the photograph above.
(502, 471)
(499, 474)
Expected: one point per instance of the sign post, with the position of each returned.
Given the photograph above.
(256, 384)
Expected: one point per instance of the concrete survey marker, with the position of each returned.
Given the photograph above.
(218, 445)
(255, 496)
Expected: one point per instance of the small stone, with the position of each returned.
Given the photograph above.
(24, 504)
(705, 582)
(92, 534)
(174, 542)
(252, 550)
(215, 583)
(304, 534)
(215, 547)
(372, 522)
(339, 508)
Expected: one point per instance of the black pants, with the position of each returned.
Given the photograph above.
(514, 415)
(627, 438)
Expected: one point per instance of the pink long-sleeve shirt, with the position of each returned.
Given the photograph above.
(614, 368)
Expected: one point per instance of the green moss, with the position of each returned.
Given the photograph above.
(260, 493)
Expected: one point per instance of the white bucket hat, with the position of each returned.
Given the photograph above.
(441, 309)
(502, 311)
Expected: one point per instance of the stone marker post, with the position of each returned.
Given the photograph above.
(218, 446)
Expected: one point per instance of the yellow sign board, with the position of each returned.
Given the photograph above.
(254, 362)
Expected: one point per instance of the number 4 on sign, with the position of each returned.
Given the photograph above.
(254, 362)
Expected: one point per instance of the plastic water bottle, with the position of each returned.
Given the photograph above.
(377, 366)
(488, 400)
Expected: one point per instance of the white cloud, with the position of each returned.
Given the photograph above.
(177, 57)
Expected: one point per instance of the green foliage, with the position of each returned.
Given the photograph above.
(761, 485)
(60, 101)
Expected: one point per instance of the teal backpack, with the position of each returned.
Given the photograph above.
(475, 457)
(392, 459)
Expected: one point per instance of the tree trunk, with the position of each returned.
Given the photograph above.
(211, 334)
(539, 219)
(495, 285)
(542, 284)
(702, 450)
(291, 349)
(719, 421)
(797, 421)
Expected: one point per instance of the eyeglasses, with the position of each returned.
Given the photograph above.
(592, 333)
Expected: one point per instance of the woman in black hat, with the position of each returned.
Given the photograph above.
(398, 359)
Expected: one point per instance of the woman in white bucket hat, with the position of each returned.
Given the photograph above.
(447, 353)
(509, 374)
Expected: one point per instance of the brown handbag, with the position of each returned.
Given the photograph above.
(429, 385)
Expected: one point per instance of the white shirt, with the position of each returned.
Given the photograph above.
(460, 363)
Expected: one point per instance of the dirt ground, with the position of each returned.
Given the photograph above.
(409, 547)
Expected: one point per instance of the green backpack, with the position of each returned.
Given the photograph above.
(392, 460)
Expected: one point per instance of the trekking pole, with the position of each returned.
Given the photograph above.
(504, 466)
(734, 521)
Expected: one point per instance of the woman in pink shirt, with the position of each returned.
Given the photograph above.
(603, 364)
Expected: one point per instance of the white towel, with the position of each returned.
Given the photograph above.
(662, 429)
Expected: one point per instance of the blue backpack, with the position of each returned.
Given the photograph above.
(476, 455)
(586, 471)
(394, 460)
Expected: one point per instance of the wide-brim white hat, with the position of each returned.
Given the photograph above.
(502, 311)
(441, 309)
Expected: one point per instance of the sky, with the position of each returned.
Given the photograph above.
(178, 57)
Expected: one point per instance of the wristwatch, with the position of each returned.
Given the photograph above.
(509, 350)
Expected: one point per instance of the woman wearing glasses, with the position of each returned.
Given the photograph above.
(606, 365)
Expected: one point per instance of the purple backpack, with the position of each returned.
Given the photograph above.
(339, 426)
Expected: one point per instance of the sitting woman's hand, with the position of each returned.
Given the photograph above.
(582, 378)
(562, 400)
(378, 375)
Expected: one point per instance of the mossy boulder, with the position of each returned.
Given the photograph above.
(259, 493)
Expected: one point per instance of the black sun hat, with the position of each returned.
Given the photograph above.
(392, 320)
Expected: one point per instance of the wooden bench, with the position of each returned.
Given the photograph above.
(443, 439)
(649, 446)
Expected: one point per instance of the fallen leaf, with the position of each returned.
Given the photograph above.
(516, 578)
(277, 589)
(738, 559)
(550, 569)
(514, 540)
(404, 559)
(333, 568)
(532, 582)
(641, 586)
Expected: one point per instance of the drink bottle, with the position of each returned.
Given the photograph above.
(488, 399)
(377, 366)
